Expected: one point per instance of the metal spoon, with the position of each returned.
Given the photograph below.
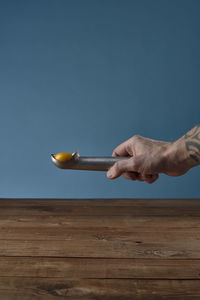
(90, 163)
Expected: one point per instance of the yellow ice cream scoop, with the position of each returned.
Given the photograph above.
(63, 156)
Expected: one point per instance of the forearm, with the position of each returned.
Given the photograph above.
(184, 153)
(192, 144)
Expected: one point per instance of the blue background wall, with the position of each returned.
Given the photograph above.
(87, 75)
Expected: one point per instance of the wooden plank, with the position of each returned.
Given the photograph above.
(148, 207)
(155, 246)
(108, 229)
(23, 224)
(12, 288)
(87, 268)
(57, 202)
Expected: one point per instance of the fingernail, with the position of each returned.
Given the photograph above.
(109, 174)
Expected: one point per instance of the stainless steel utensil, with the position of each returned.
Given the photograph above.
(90, 163)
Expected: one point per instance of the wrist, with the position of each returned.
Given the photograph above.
(177, 159)
(192, 144)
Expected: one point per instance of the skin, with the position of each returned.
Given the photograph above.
(147, 158)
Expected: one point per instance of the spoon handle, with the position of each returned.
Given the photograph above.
(96, 163)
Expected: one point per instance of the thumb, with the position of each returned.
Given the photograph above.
(120, 167)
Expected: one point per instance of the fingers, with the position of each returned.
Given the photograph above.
(120, 167)
(122, 149)
(128, 169)
(151, 178)
(130, 175)
(133, 176)
(137, 176)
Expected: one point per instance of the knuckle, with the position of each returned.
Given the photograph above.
(149, 181)
(153, 179)
(135, 164)
(136, 137)
(116, 168)
(114, 153)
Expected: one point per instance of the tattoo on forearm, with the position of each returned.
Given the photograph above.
(192, 143)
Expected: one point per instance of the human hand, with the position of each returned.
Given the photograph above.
(146, 158)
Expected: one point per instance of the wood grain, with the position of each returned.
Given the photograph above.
(86, 268)
(98, 289)
(99, 249)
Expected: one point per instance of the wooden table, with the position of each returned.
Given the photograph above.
(99, 249)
